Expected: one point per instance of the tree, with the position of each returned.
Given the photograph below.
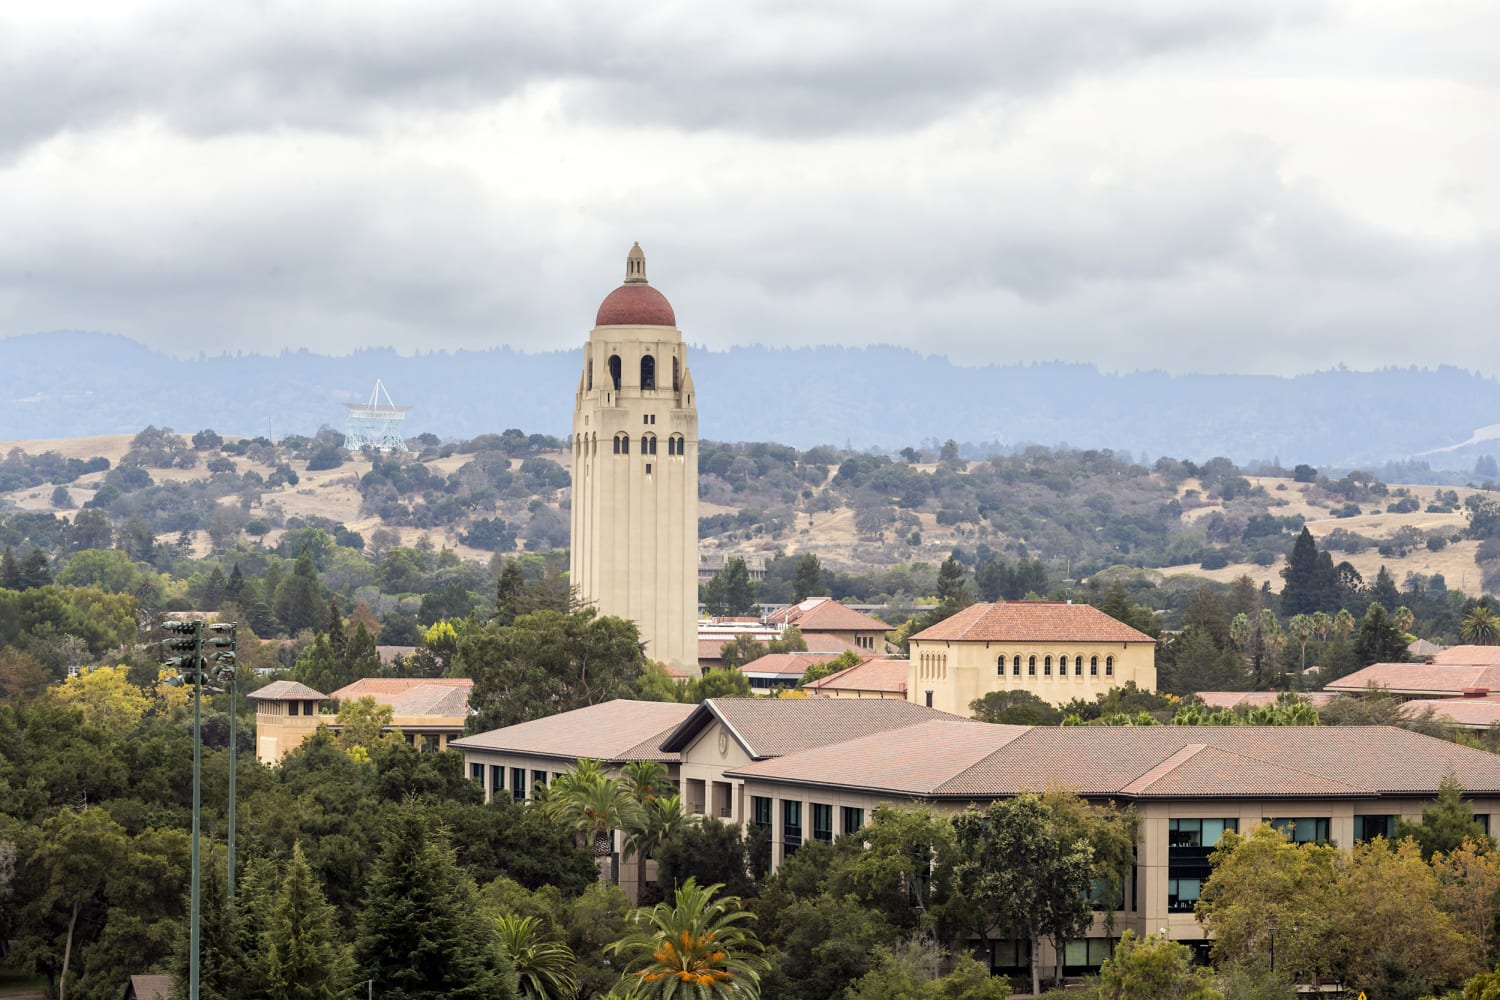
(306, 958)
(657, 820)
(542, 965)
(421, 932)
(1155, 968)
(697, 946)
(298, 599)
(1015, 708)
(826, 668)
(1024, 874)
(710, 852)
(1481, 626)
(730, 592)
(1446, 824)
(1266, 902)
(1469, 891)
(806, 577)
(1301, 628)
(107, 699)
(78, 853)
(593, 805)
(548, 662)
(335, 628)
(1378, 641)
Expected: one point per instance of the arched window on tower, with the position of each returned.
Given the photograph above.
(648, 372)
(614, 370)
(1015, 667)
(648, 444)
(675, 445)
(590, 383)
(622, 444)
(676, 374)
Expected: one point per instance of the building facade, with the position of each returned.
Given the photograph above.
(1056, 650)
(634, 551)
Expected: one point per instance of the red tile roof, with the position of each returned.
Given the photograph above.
(1255, 699)
(770, 727)
(873, 675)
(1419, 678)
(1471, 713)
(1488, 656)
(824, 614)
(613, 731)
(413, 696)
(792, 665)
(1032, 621)
(828, 642)
(286, 691)
(941, 759)
(635, 305)
(395, 685)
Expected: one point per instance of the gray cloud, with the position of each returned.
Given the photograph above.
(772, 68)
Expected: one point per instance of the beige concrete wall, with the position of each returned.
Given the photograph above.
(278, 734)
(958, 672)
(634, 549)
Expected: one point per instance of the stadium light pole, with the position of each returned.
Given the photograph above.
(227, 669)
(188, 643)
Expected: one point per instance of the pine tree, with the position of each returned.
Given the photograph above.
(220, 970)
(299, 603)
(214, 589)
(361, 659)
(234, 590)
(305, 958)
(335, 629)
(421, 934)
(1302, 594)
(510, 594)
(35, 570)
(10, 570)
(806, 577)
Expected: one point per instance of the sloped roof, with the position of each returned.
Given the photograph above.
(1449, 680)
(1032, 621)
(792, 665)
(1487, 656)
(872, 675)
(1472, 713)
(771, 727)
(824, 614)
(620, 730)
(1255, 699)
(286, 691)
(832, 643)
(412, 696)
(150, 987)
(945, 760)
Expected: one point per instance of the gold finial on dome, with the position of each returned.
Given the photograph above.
(635, 266)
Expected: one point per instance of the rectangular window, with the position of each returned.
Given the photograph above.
(538, 780)
(854, 819)
(476, 772)
(1483, 819)
(1182, 894)
(1010, 957)
(1015, 667)
(1031, 667)
(1303, 830)
(1104, 896)
(1080, 956)
(1198, 832)
(497, 778)
(760, 811)
(1370, 827)
(293, 707)
(791, 826)
(822, 821)
(518, 783)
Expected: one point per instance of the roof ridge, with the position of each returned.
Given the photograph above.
(1015, 732)
(1297, 770)
(1162, 768)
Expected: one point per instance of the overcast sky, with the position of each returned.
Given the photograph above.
(1242, 186)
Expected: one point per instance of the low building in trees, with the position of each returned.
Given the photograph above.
(780, 671)
(878, 678)
(820, 617)
(429, 711)
(286, 714)
(1057, 650)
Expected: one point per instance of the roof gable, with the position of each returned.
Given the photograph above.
(619, 730)
(1031, 621)
(771, 727)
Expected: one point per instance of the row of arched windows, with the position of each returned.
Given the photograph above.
(648, 373)
(1062, 666)
(675, 444)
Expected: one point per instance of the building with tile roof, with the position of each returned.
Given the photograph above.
(1056, 650)
(780, 671)
(286, 714)
(878, 678)
(826, 617)
(148, 987)
(1187, 785)
(1420, 680)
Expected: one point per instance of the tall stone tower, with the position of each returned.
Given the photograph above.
(635, 471)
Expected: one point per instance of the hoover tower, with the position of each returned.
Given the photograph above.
(634, 546)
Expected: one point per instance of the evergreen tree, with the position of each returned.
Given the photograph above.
(510, 593)
(1445, 824)
(220, 969)
(1378, 640)
(1383, 591)
(336, 638)
(1302, 594)
(214, 589)
(360, 656)
(35, 570)
(234, 590)
(806, 577)
(299, 604)
(730, 592)
(10, 570)
(305, 956)
(421, 933)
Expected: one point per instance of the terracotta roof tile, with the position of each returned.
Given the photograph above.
(151, 987)
(1141, 762)
(286, 691)
(1470, 712)
(1488, 656)
(872, 675)
(612, 731)
(1234, 699)
(771, 727)
(395, 685)
(1032, 621)
(786, 664)
(1419, 678)
(824, 614)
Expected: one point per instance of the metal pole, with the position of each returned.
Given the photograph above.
(193, 956)
(234, 749)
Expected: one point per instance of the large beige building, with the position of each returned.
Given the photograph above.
(1056, 650)
(635, 471)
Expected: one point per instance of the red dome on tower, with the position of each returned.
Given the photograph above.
(635, 303)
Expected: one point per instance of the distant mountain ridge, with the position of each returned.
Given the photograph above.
(68, 384)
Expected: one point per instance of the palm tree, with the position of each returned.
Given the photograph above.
(592, 804)
(542, 966)
(645, 779)
(658, 820)
(1343, 623)
(695, 948)
(1403, 619)
(1302, 628)
(1480, 626)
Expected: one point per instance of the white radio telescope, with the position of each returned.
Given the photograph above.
(376, 424)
